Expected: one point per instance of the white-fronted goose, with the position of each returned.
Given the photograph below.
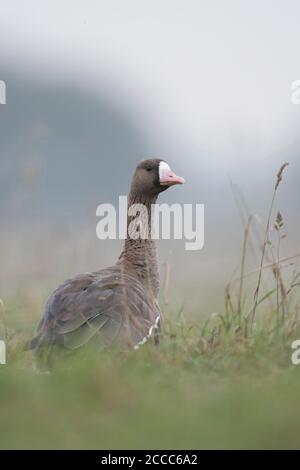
(116, 305)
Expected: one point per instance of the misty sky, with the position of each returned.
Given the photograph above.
(204, 84)
(215, 74)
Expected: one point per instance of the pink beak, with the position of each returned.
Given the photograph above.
(169, 178)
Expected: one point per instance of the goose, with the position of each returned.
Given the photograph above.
(116, 305)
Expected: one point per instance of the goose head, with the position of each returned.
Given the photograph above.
(153, 176)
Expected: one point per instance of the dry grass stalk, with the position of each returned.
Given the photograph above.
(270, 265)
(266, 239)
(242, 276)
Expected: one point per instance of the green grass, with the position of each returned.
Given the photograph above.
(206, 387)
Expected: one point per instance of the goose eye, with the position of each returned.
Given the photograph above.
(148, 169)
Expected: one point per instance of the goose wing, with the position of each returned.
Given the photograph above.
(106, 307)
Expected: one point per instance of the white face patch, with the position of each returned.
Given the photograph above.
(163, 169)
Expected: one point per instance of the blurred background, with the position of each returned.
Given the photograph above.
(95, 86)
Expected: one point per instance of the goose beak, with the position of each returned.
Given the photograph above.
(168, 178)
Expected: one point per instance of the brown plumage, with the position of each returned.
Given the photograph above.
(116, 305)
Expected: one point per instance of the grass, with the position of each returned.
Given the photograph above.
(197, 390)
(226, 381)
